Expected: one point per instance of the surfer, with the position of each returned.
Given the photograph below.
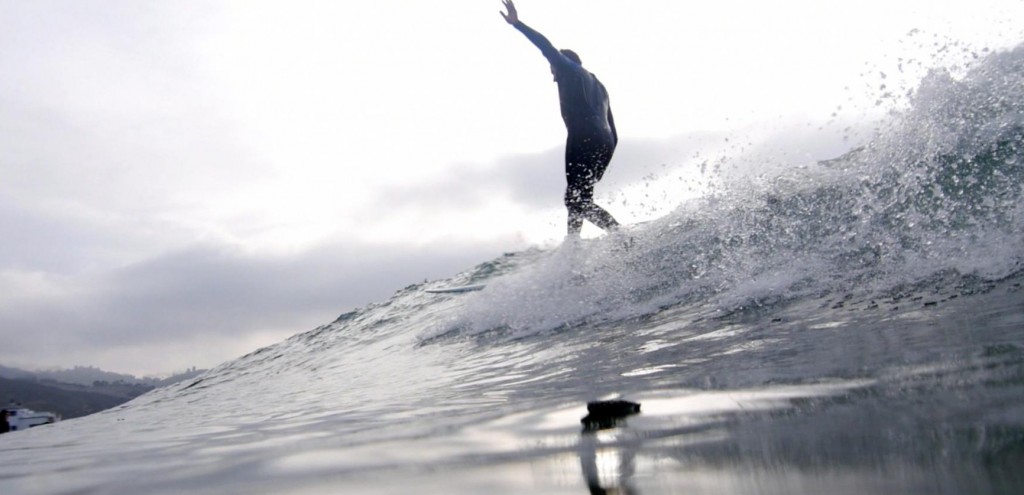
(591, 130)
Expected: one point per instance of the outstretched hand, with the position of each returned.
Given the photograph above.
(512, 16)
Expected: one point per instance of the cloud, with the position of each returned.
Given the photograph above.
(536, 181)
(528, 179)
(41, 242)
(204, 294)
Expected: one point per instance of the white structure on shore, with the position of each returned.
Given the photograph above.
(23, 418)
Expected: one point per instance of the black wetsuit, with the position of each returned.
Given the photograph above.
(591, 136)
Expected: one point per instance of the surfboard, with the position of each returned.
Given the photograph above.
(455, 290)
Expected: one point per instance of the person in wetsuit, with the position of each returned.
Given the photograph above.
(591, 130)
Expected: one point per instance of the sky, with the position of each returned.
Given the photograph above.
(182, 183)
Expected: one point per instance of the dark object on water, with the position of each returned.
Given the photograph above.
(605, 414)
(617, 408)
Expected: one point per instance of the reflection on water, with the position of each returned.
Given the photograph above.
(667, 444)
(607, 456)
(607, 468)
(788, 439)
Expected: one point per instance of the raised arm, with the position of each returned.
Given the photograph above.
(550, 52)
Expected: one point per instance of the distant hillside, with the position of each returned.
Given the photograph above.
(64, 400)
(86, 375)
(80, 391)
(6, 372)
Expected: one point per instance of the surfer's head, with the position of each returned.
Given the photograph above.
(569, 54)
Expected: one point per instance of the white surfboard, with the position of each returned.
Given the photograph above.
(455, 290)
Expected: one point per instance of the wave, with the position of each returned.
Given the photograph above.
(935, 192)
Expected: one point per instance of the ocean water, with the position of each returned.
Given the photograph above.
(851, 326)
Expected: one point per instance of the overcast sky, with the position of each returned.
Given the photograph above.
(182, 182)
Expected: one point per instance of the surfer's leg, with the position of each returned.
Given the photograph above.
(579, 187)
(585, 161)
(579, 200)
(599, 158)
(600, 217)
(577, 194)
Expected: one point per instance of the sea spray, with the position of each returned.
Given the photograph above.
(936, 190)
